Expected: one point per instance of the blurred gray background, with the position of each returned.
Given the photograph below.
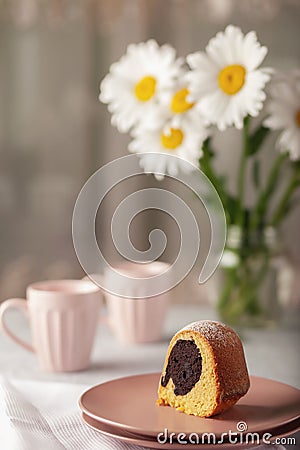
(54, 133)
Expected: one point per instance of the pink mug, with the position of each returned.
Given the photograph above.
(63, 317)
(137, 320)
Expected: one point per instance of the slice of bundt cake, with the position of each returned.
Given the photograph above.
(205, 370)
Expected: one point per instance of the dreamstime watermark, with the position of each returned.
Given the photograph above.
(90, 255)
(238, 437)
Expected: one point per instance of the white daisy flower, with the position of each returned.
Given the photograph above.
(284, 112)
(176, 109)
(225, 81)
(155, 146)
(131, 87)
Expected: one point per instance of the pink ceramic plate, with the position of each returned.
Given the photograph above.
(117, 433)
(129, 403)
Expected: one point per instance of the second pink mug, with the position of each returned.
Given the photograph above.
(137, 320)
(63, 317)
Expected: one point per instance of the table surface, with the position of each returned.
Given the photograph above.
(271, 353)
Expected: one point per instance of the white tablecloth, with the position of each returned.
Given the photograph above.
(43, 416)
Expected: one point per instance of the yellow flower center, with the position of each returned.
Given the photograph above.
(298, 118)
(179, 102)
(145, 88)
(172, 140)
(232, 78)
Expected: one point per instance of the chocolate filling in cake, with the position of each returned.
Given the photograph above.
(184, 367)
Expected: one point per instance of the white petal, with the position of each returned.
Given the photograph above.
(117, 88)
(228, 48)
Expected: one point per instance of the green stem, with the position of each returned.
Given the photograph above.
(205, 164)
(279, 214)
(264, 269)
(264, 199)
(231, 276)
(242, 170)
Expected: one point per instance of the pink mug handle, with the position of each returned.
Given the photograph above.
(19, 303)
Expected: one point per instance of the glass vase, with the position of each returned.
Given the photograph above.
(250, 267)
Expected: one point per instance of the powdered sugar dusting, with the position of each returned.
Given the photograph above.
(215, 332)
